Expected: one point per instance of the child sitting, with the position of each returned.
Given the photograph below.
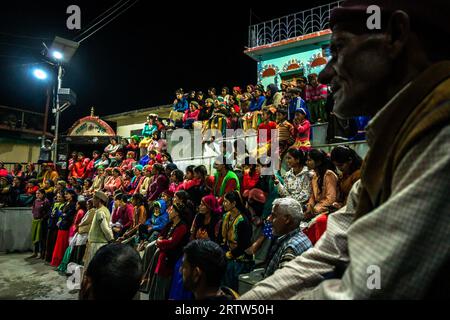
(191, 115)
(149, 231)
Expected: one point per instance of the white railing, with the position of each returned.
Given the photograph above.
(291, 26)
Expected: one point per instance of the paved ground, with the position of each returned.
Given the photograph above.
(22, 279)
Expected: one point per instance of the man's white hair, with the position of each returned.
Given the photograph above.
(290, 207)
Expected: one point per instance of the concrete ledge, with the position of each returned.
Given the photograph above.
(15, 227)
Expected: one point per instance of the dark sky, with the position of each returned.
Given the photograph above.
(140, 58)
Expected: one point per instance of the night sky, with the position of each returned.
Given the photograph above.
(138, 60)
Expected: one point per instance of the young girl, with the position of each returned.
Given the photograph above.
(40, 211)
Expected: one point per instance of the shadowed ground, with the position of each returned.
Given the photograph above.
(22, 279)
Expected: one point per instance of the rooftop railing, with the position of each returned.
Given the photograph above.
(291, 26)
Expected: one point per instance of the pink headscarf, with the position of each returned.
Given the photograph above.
(211, 202)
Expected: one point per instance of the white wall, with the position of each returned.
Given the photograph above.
(18, 153)
(124, 131)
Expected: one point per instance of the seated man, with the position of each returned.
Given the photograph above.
(203, 266)
(327, 259)
(291, 241)
(114, 273)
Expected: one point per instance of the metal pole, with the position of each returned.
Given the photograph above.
(47, 104)
(58, 111)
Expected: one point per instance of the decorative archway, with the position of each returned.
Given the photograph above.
(91, 126)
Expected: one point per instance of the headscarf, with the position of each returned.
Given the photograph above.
(212, 204)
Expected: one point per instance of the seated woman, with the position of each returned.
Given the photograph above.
(134, 146)
(147, 131)
(159, 182)
(206, 111)
(17, 171)
(235, 114)
(98, 182)
(126, 182)
(140, 216)
(348, 162)
(324, 193)
(135, 180)
(122, 217)
(176, 181)
(235, 237)
(217, 124)
(189, 181)
(149, 231)
(112, 148)
(115, 183)
(129, 162)
(297, 181)
(157, 143)
(170, 244)
(251, 174)
(102, 162)
(191, 115)
(197, 186)
(207, 220)
(30, 172)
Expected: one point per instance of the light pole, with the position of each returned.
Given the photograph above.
(60, 51)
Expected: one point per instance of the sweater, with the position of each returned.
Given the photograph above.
(100, 231)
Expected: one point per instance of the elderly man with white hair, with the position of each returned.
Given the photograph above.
(290, 241)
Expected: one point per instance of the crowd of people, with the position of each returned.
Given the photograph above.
(157, 209)
(133, 193)
(328, 228)
(260, 108)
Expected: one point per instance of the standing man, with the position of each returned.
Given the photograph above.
(100, 233)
